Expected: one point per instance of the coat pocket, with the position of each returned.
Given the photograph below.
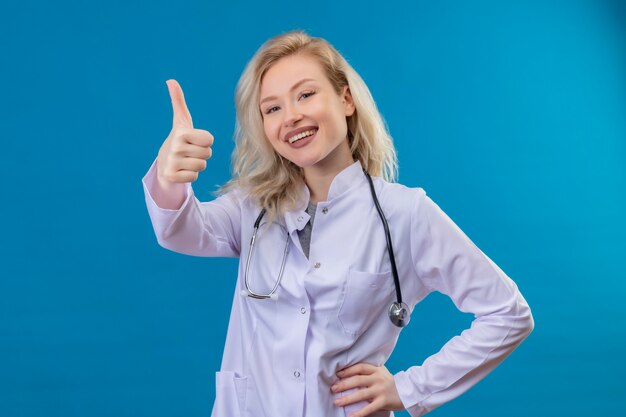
(367, 295)
(230, 395)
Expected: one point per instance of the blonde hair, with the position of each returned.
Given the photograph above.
(274, 182)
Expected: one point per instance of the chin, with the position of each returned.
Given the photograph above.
(303, 162)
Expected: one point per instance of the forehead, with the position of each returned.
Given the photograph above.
(287, 71)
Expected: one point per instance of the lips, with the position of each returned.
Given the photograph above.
(290, 135)
(304, 141)
(302, 135)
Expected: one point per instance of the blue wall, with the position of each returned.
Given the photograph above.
(511, 115)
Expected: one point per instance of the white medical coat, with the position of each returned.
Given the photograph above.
(280, 357)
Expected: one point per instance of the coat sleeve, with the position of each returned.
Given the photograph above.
(198, 229)
(447, 261)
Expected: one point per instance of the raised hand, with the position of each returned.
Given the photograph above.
(185, 151)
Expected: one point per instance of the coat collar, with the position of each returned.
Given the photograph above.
(351, 177)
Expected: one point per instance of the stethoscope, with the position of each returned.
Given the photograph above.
(398, 311)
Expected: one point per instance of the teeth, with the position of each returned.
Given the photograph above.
(301, 135)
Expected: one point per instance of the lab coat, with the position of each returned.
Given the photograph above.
(281, 356)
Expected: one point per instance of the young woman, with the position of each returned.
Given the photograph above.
(333, 255)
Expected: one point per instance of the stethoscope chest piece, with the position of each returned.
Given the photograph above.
(399, 314)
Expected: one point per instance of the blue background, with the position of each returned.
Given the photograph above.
(511, 115)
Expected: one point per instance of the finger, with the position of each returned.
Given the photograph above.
(187, 150)
(182, 117)
(184, 176)
(359, 368)
(372, 407)
(192, 164)
(199, 152)
(361, 395)
(198, 137)
(352, 382)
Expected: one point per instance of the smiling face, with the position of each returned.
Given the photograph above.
(303, 116)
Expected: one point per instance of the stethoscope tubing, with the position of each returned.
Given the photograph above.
(392, 258)
(399, 312)
(282, 265)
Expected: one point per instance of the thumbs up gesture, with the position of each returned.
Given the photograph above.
(185, 151)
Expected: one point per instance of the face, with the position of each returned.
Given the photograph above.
(304, 118)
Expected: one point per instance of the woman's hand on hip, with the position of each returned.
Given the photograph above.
(377, 385)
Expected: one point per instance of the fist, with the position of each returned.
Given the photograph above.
(185, 151)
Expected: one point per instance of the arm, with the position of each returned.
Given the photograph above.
(195, 228)
(447, 261)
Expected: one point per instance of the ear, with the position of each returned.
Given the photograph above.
(348, 102)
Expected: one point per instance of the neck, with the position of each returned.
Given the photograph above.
(319, 177)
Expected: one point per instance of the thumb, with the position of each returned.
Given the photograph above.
(182, 117)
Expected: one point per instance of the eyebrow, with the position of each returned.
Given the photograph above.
(291, 89)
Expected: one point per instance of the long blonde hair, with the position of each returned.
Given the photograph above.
(274, 182)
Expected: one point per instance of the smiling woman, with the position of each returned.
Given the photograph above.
(343, 249)
(305, 119)
(293, 77)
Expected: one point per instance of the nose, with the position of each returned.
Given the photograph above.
(292, 115)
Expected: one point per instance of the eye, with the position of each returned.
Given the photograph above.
(271, 110)
(307, 94)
